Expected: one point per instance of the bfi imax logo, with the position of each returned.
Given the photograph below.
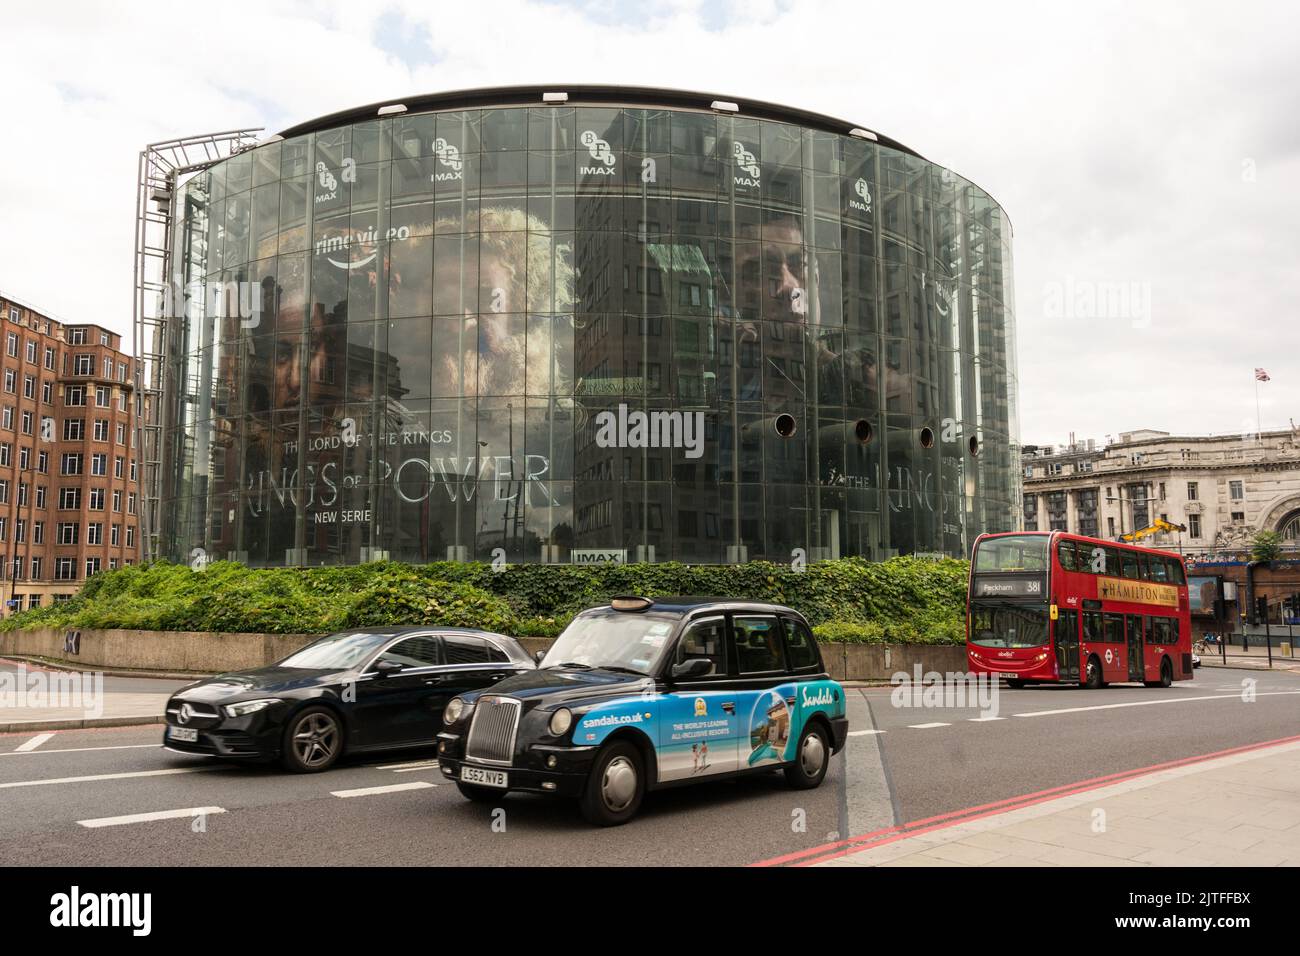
(748, 172)
(600, 153)
(638, 429)
(863, 202)
(448, 156)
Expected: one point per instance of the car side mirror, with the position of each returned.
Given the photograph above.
(385, 668)
(695, 667)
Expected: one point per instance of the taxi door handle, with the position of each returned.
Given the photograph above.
(729, 707)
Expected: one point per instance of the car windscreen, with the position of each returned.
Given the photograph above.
(626, 640)
(341, 651)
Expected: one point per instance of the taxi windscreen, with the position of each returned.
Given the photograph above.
(613, 639)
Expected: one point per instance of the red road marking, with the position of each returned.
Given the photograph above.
(866, 841)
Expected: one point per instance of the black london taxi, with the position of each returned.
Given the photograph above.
(643, 694)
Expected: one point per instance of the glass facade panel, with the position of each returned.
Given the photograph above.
(564, 333)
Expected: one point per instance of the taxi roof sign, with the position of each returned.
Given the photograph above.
(630, 602)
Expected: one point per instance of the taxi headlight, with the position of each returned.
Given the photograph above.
(454, 710)
(561, 721)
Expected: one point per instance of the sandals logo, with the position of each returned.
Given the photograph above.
(863, 203)
(449, 156)
(747, 163)
(624, 429)
(600, 152)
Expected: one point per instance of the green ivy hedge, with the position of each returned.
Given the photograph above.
(903, 599)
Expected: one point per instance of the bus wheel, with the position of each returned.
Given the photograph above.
(1166, 676)
(1092, 674)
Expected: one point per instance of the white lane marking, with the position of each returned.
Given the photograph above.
(432, 766)
(983, 720)
(407, 767)
(80, 750)
(410, 763)
(103, 776)
(147, 817)
(33, 743)
(1147, 703)
(391, 788)
(863, 733)
(926, 726)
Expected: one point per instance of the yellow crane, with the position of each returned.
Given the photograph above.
(1160, 524)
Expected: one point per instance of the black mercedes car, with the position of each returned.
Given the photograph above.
(355, 691)
(644, 694)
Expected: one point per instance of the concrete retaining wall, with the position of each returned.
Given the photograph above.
(204, 652)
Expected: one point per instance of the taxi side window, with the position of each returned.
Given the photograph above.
(758, 644)
(705, 639)
(799, 646)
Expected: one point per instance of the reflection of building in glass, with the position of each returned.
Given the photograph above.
(448, 302)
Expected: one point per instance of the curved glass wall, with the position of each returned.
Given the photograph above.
(579, 334)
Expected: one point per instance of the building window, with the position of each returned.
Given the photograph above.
(29, 386)
(65, 569)
(101, 429)
(115, 535)
(130, 537)
(1030, 504)
(40, 497)
(1087, 512)
(11, 381)
(96, 499)
(74, 429)
(75, 396)
(77, 336)
(68, 532)
(6, 454)
(1057, 511)
(94, 533)
(119, 466)
(36, 569)
(49, 357)
(83, 365)
(102, 397)
(117, 501)
(121, 433)
(71, 464)
(11, 344)
(1236, 491)
(92, 566)
(1193, 491)
(1239, 517)
(7, 417)
(47, 392)
(99, 464)
(1194, 525)
(28, 422)
(38, 532)
(31, 350)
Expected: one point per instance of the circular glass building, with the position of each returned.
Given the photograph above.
(597, 324)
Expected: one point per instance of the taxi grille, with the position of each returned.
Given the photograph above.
(492, 731)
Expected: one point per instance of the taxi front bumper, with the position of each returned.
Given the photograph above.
(540, 768)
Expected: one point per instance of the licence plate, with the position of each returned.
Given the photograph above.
(1007, 674)
(488, 778)
(183, 734)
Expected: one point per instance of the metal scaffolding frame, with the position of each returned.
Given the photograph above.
(160, 167)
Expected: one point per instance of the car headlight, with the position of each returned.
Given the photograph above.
(561, 721)
(455, 708)
(246, 707)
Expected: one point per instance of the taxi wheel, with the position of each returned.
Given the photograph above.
(615, 787)
(313, 740)
(479, 794)
(811, 759)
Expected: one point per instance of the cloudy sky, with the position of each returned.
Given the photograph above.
(1147, 153)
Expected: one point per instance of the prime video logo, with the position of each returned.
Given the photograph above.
(637, 429)
(74, 908)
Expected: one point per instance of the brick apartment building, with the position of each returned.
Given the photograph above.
(69, 489)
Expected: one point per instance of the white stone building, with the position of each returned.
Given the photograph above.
(1222, 489)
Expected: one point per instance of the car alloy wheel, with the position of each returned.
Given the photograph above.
(314, 741)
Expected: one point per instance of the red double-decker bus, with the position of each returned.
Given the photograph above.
(1051, 607)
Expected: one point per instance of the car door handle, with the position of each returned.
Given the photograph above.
(729, 707)
(435, 679)
(496, 677)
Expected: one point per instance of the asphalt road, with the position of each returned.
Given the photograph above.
(901, 764)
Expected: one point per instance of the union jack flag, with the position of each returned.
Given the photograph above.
(1261, 375)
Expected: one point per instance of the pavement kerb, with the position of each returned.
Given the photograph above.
(46, 664)
(40, 726)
